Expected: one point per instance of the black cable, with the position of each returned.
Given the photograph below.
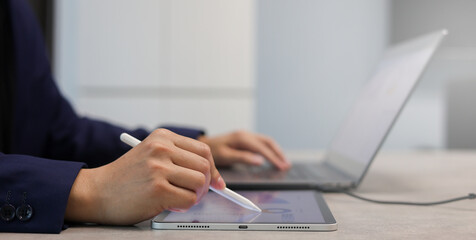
(469, 196)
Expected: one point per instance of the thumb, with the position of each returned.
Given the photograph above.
(216, 179)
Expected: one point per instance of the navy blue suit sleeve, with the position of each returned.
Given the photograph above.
(46, 183)
(187, 132)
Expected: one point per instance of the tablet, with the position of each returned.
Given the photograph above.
(281, 211)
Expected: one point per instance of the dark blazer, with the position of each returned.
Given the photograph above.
(45, 127)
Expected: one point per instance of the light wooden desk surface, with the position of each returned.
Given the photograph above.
(405, 176)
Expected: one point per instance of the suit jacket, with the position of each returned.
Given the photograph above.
(45, 127)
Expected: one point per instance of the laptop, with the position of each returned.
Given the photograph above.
(362, 133)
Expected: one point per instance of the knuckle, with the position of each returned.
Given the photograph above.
(157, 147)
(268, 139)
(201, 180)
(240, 134)
(155, 167)
(204, 149)
(204, 166)
(161, 132)
(160, 187)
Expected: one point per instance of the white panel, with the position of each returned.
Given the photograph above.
(177, 43)
(149, 62)
(212, 43)
(119, 42)
(126, 112)
(214, 115)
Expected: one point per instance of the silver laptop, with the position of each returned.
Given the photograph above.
(362, 132)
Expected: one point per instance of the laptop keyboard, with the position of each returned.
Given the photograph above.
(306, 171)
(298, 171)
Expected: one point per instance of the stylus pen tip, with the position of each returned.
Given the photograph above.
(257, 209)
(236, 198)
(250, 205)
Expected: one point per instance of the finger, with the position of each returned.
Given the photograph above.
(274, 147)
(192, 145)
(259, 147)
(203, 150)
(178, 198)
(191, 160)
(216, 181)
(182, 142)
(239, 156)
(194, 162)
(187, 178)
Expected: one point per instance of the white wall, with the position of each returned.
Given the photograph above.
(149, 62)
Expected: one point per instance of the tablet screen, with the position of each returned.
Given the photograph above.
(277, 206)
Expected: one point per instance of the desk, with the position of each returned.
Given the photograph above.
(405, 176)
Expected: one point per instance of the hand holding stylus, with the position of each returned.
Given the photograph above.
(226, 193)
(165, 171)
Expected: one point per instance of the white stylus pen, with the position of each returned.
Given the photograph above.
(226, 193)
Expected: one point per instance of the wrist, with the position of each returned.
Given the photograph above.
(83, 205)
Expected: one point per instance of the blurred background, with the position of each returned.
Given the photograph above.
(286, 68)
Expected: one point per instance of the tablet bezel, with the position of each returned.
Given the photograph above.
(329, 224)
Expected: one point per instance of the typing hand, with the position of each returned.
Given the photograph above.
(245, 147)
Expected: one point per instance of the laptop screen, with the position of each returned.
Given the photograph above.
(379, 104)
